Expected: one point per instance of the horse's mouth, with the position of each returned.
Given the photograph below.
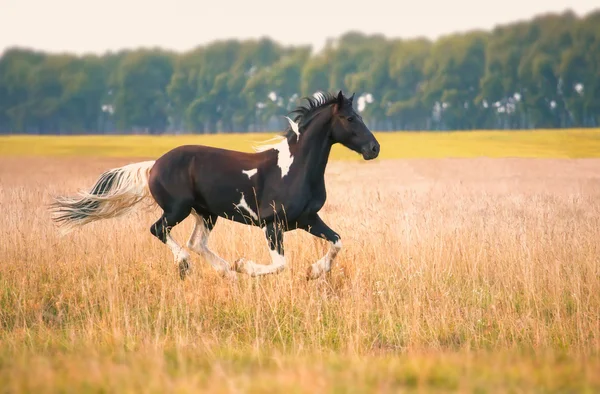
(370, 155)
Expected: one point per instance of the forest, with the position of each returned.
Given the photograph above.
(537, 73)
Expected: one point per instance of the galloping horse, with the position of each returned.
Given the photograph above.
(280, 187)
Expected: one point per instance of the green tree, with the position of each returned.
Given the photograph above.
(141, 100)
(536, 73)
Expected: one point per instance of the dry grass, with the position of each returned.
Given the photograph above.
(456, 275)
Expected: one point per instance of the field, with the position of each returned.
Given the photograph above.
(570, 143)
(459, 273)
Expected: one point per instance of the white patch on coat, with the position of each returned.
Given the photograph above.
(251, 172)
(284, 157)
(244, 204)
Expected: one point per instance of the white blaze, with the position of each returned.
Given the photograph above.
(251, 172)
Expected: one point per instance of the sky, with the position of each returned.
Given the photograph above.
(80, 26)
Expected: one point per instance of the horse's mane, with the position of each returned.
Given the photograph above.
(302, 115)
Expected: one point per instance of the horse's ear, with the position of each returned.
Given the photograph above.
(340, 100)
(351, 98)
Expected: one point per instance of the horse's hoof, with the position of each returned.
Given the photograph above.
(238, 265)
(313, 273)
(184, 269)
(244, 266)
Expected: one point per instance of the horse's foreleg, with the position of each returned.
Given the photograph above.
(198, 242)
(318, 228)
(274, 235)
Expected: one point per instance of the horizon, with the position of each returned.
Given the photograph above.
(130, 31)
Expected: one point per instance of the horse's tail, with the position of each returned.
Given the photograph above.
(114, 194)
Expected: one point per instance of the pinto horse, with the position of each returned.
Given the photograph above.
(279, 188)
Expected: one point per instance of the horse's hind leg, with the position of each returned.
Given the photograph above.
(198, 242)
(162, 230)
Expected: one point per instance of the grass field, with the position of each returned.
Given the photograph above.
(457, 275)
(571, 143)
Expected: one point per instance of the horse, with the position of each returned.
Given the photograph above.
(279, 187)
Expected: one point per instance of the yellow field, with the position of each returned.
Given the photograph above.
(540, 143)
(457, 275)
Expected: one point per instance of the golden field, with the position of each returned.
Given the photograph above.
(457, 275)
(566, 143)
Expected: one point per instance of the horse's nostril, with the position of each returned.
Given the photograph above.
(375, 148)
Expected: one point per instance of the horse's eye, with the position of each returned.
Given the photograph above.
(351, 119)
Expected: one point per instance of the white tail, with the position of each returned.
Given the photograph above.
(114, 194)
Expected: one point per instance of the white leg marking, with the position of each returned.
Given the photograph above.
(179, 252)
(180, 255)
(244, 204)
(198, 242)
(251, 268)
(251, 172)
(324, 264)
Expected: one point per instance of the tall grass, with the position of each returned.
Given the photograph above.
(456, 275)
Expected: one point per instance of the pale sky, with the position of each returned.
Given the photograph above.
(81, 26)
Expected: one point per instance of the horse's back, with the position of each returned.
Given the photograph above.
(213, 178)
(186, 152)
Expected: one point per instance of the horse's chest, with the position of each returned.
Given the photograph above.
(302, 203)
(295, 200)
(313, 202)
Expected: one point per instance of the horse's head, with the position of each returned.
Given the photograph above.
(348, 129)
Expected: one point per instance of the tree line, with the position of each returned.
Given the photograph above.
(539, 73)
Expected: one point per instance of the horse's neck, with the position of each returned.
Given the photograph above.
(312, 150)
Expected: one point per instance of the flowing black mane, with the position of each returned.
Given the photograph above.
(305, 113)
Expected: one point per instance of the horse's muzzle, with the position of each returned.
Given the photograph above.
(371, 151)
